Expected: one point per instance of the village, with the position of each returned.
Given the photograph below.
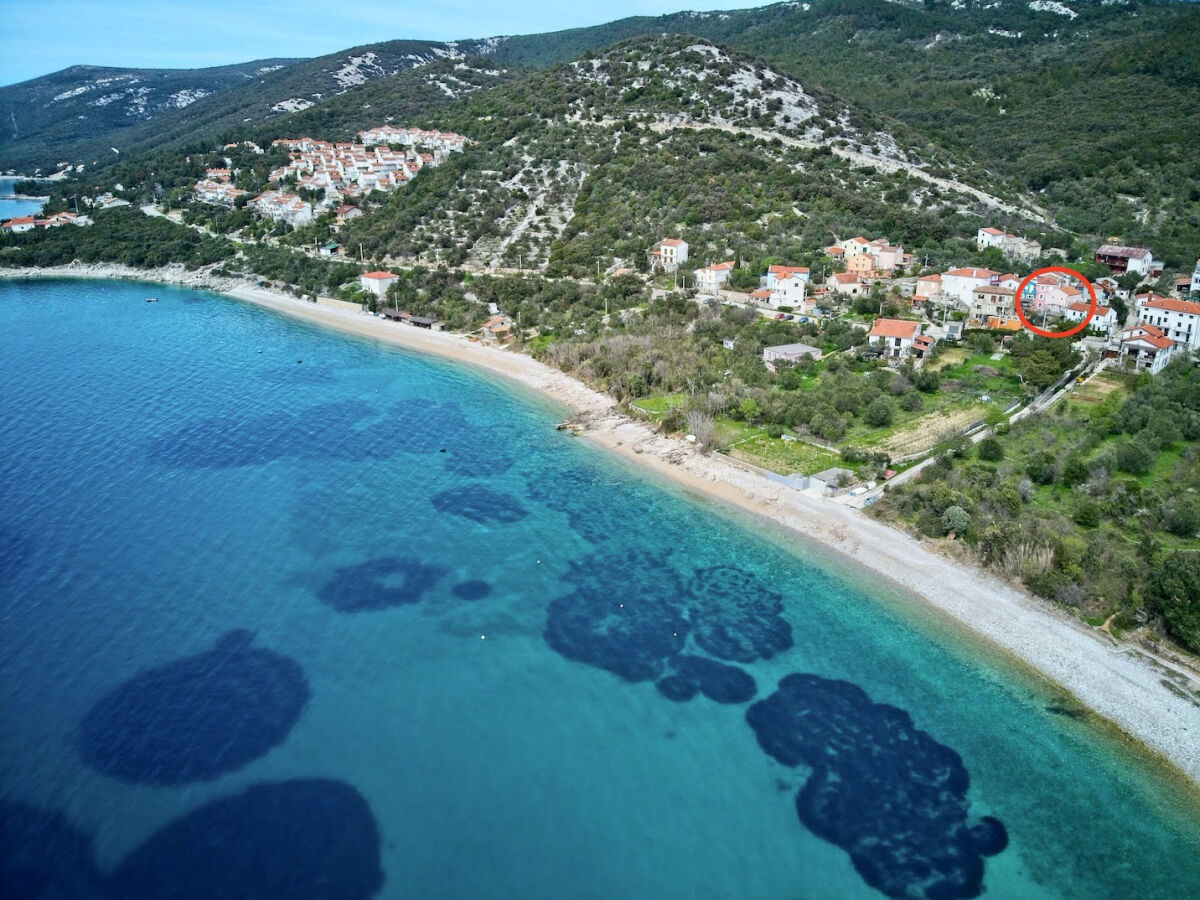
(944, 305)
(321, 176)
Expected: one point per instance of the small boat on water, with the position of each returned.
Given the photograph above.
(151, 299)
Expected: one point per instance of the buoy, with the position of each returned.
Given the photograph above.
(483, 637)
(260, 350)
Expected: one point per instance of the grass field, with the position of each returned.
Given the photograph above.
(755, 446)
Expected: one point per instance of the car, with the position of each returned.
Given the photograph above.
(779, 315)
(789, 316)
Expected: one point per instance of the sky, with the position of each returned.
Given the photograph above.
(45, 36)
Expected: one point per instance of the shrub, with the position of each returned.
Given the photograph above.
(991, 450)
(955, 520)
(1087, 515)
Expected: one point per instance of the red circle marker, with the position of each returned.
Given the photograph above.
(1055, 334)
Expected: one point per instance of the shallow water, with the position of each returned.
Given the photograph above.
(360, 622)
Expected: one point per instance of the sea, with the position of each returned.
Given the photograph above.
(12, 208)
(288, 613)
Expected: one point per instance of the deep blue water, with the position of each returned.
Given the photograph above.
(11, 208)
(289, 614)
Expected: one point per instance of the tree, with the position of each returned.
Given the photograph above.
(955, 520)
(879, 412)
(991, 450)
(1134, 457)
(1175, 588)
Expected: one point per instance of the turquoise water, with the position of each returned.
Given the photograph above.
(291, 614)
(11, 208)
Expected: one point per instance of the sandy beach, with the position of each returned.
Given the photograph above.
(1147, 698)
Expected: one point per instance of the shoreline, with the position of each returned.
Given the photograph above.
(1149, 700)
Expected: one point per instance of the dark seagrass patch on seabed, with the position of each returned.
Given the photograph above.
(197, 717)
(882, 790)
(305, 839)
(480, 504)
(717, 681)
(624, 615)
(379, 583)
(628, 615)
(735, 616)
(475, 589)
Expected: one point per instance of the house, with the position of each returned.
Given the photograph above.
(1011, 245)
(928, 287)
(856, 246)
(1105, 318)
(1144, 347)
(922, 344)
(18, 225)
(835, 252)
(846, 283)
(331, 249)
(1179, 320)
(496, 329)
(668, 254)
(1053, 294)
(1196, 278)
(894, 336)
(861, 265)
(789, 290)
(989, 237)
(788, 353)
(776, 272)
(1106, 288)
(710, 278)
(1121, 260)
(761, 297)
(988, 301)
(347, 213)
(377, 283)
(886, 257)
(959, 283)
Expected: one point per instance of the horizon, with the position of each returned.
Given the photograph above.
(144, 34)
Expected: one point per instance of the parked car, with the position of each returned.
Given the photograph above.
(779, 315)
(789, 316)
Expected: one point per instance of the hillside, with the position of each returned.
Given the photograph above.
(1040, 105)
(135, 122)
(48, 119)
(593, 160)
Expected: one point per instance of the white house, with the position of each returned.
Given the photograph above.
(1196, 278)
(894, 336)
(1122, 260)
(668, 254)
(1179, 320)
(788, 353)
(776, 272)
(789, 290)
(989, 237)
(959, 283)
(710, 278)
(18, 224)
(1104, 320)
(377, 283)
(1011, 245)
(1149, 348)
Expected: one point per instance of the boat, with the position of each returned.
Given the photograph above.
(151, 299)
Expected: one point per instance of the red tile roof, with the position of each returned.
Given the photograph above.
(379, 275)
(1167, 304)
(895, 328)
